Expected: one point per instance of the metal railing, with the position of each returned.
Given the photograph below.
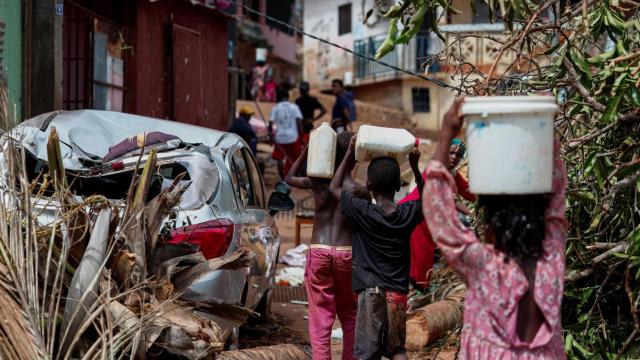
(368, 47)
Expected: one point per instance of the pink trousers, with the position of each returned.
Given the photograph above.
(328, 283)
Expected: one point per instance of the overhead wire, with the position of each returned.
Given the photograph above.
(362, 56)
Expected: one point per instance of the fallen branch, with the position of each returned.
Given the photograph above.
(577, 275)
(431, 322)
(280, 352)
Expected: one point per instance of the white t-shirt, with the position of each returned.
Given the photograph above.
(285, 115)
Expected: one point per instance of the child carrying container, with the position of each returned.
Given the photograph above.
(381, 258)
(514, 278)
(327, 275)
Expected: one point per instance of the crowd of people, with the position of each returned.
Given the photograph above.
(290, 123)
(366, 249)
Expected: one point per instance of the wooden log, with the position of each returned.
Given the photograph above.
(427, 324)
(275, 352)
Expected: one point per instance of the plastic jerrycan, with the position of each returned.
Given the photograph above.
(321, 156)
(376, 141)
(510, 144)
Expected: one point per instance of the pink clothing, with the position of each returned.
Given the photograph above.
(495, 286)
(327, 278)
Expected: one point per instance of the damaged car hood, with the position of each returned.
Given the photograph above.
(88, 134)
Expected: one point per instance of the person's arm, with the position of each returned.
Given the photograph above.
(553, 246)
(414, 158)
(300, 182)
(345, 167)
(451, 126)
(298, 115)
(271, 120)
(323, 111)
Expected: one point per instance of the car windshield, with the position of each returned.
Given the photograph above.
(200, 174)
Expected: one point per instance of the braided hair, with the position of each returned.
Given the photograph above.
(516, 223)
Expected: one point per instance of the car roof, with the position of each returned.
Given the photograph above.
(95, 131)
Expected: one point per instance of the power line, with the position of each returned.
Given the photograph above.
(362, 56)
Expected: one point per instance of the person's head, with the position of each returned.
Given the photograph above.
(342, 145)
(456, 153)
(337, 86)
(246, 112)
(383, 177)
(514, 224)
(304, 88)
(282, 94)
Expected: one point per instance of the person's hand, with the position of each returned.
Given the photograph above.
(414, 157)
(452, 119)
(352, 143)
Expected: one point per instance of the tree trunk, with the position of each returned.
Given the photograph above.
(427, 324)
(275, 352)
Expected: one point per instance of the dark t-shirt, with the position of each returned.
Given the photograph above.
(242, 128)
(381, 252)
(308, 105)
(337, 112)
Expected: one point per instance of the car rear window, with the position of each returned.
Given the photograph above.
(201, 176)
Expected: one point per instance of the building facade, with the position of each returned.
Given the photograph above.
(165, 59)
(342, 22)
(258, 32)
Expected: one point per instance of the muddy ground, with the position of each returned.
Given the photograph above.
(289, 322)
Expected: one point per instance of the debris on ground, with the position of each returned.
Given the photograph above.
(337, 334)
(296, 256)
(290, 276)
(86, 286)
(279, 352)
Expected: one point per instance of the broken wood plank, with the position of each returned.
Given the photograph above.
(279, 352)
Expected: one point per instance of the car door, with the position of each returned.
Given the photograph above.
(257, 231)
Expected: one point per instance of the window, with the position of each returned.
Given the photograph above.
(257, 178)
(344, 19)
(420, 99)
(481, 15)
(244, 186)
(282, 10)
(108, 73)
(254, 5)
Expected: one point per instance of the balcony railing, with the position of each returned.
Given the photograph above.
(365, 68)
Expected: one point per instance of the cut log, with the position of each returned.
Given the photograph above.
(429, 323)
(275, 352)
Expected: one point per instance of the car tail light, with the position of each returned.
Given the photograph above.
(213, 238)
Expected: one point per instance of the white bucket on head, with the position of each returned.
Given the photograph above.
(510, 142)
(261, 54)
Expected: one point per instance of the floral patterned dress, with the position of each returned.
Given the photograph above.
(495, 286)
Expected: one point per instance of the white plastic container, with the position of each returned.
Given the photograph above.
(375, 141)
(321, 158)
(510, 142)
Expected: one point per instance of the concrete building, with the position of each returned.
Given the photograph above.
(341, 22)
(282, 43)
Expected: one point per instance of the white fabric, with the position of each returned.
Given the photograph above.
(285, 115)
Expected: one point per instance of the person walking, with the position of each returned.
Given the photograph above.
(515, 277)
(327, 275)
(308, 106)
(242, 127)
(287, 118)
(340, 116)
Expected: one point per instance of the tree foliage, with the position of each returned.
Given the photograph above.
(587, 53)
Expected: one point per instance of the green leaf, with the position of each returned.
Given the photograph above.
(568, 342)
(595, 222)
(582, 65)
(635, 95)
(602, 57)
(611, 112)
(590, 163)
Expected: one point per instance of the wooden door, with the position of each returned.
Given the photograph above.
(187, 76)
